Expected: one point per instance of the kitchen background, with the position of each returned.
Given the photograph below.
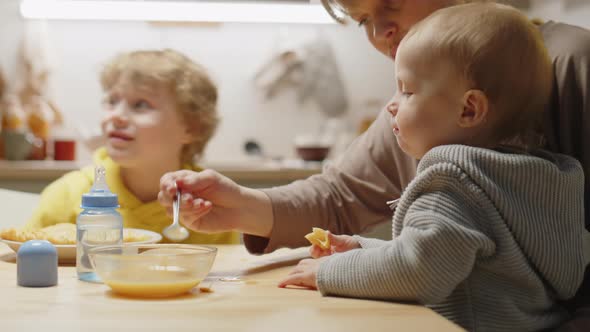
(233, 53)
(74, 52)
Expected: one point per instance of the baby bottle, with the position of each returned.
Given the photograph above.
(99, 224)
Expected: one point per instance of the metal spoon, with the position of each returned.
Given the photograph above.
(176, 232)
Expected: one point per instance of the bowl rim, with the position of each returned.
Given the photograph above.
(197, 247)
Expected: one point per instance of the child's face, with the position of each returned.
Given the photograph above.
(386, 22)
(428, 103)
(142, 125)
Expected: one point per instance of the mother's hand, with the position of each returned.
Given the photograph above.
(213, 203)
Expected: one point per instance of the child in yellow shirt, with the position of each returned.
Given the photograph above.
(160, 110)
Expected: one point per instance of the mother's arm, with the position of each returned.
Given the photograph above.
(568, 116)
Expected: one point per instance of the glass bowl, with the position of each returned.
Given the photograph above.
(152, 270)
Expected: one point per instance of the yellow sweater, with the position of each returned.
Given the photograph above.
(60, 202)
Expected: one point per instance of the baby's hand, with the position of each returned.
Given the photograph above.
(338, 243)
(303, 275)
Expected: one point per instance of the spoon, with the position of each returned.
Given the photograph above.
(175, 232)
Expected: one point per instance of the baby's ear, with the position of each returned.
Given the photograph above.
(475, 109)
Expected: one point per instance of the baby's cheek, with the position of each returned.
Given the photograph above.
(148, 121)
(156, 140)
(409, 119)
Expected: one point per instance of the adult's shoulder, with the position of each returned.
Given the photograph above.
(564, 41)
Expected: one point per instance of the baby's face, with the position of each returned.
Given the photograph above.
(142, 125)
(427, 104)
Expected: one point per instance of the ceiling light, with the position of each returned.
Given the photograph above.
(186, 11)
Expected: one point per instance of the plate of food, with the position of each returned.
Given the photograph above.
(63, 237)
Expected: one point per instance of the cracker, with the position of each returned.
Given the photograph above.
(319, 237)
(61, 233)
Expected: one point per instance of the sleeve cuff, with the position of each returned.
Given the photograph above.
(369, 242)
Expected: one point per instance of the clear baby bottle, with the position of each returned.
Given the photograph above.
(98, 224)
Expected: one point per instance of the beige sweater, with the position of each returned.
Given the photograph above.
(490, 240)
(350, 195)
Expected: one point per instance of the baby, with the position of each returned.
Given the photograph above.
(490, 233)
(160, 110)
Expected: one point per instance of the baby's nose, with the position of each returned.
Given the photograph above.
(392, 108)
(119, 114)
(384, 29)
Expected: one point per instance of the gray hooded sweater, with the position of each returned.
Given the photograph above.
(490, 240)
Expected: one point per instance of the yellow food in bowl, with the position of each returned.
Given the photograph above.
(152, 270)
(155, 284)
(62, 233)
(319, 237)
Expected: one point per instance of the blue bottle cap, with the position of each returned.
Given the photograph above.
(100, 195)
(36, 264)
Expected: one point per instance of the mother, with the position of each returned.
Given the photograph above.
(350, 195)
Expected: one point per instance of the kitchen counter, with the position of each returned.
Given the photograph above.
(33, 176)
(36, 169)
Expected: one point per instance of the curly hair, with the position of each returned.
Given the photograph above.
(194, 92)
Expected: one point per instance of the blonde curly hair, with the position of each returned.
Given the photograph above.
(194, 92)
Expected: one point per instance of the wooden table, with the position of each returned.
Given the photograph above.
(253, 303)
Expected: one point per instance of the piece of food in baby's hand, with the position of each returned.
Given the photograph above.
(319, 237)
